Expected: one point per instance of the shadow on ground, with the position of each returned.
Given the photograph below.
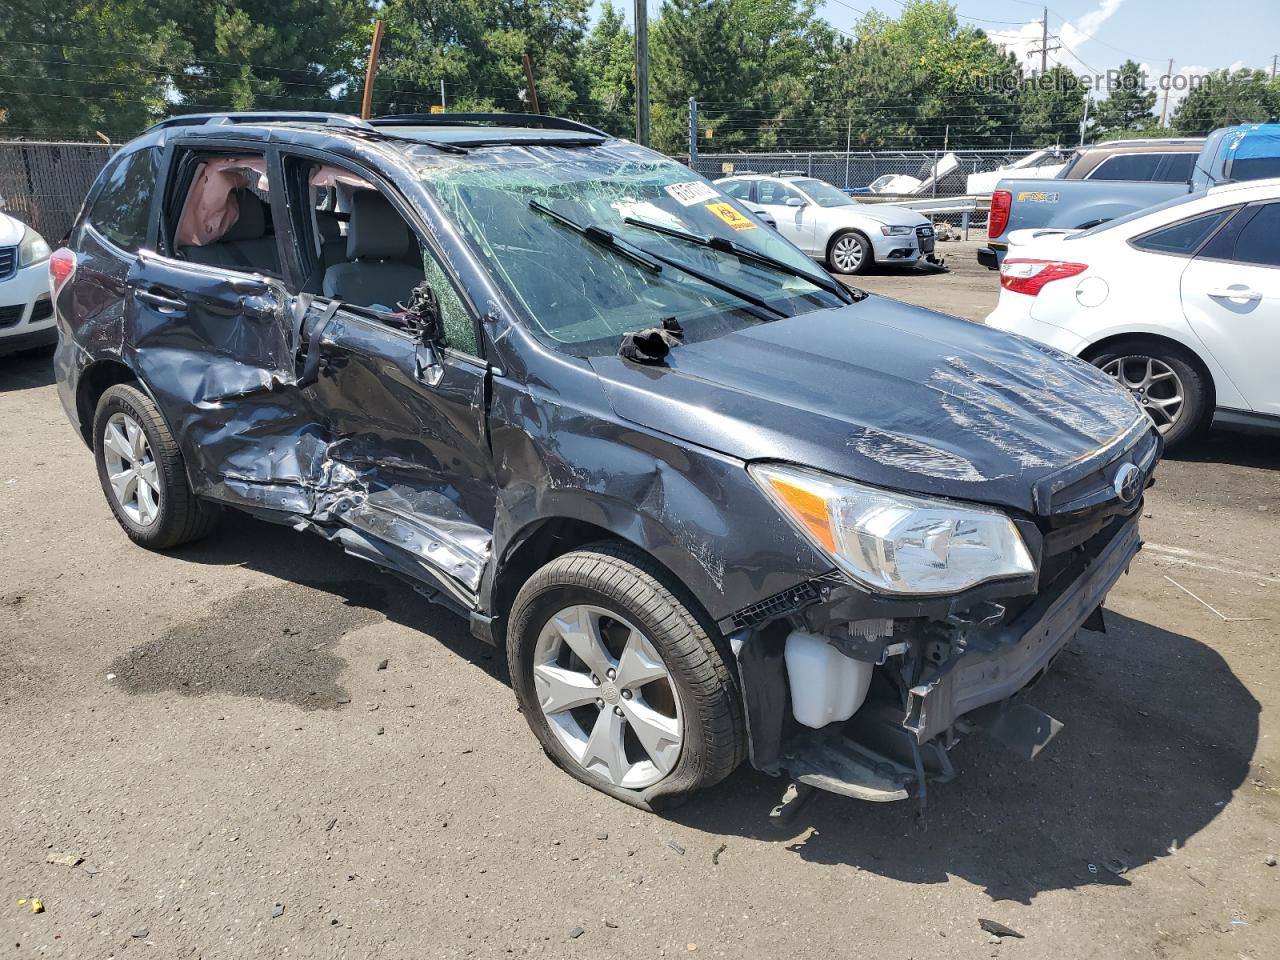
(1228, 446)
(279, 642)
(1159, 733)
(26, 370)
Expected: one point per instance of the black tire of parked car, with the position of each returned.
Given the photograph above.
(1197, 406)
(868, 256)
(621, 578)
(183, 517)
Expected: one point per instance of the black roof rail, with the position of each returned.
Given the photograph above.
(283, 116)
(482, 119)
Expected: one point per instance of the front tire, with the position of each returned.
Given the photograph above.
(1172, 389)
(142, 472)
(620, 680)
(850, 253)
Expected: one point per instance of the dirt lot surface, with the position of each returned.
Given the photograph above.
(210, 731)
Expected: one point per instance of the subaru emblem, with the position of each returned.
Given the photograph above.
(1128, 483)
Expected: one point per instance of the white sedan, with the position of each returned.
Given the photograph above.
(831, 226)
(1179, 302)
(26, 313)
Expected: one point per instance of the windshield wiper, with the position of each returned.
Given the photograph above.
(600, 237)
(725, 245)
(654, 261)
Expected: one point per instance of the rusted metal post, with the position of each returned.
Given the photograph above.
(371, 71)
(528, 79)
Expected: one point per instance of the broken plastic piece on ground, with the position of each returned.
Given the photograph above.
(998, 929)
(794, 799)
(652, 344)
(1023, 729)
(37, 905)
(65, 859)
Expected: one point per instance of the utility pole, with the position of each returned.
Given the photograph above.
(529, 85)
(693, 134)
(1168, 81)
(371, 71)
(848, 147)
(1044, 49)
(642, 72)
(1274, 58)
(444, 104)
(1084, 121)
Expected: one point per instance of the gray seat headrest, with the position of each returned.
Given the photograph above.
(376, 230)
(251, 224)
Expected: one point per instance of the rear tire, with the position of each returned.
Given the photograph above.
(1155, 373)
(850, 253)
(692, 692)
(142, 472)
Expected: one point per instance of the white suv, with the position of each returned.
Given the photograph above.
(26, 313)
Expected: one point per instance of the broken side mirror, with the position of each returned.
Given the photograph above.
(422, 314)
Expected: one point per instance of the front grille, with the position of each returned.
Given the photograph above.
(924, 232)
(9, 316)
(8, 262)
(42, 310)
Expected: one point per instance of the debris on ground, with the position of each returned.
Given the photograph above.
(611, 925)
(1269, 859)
(1117, 866)
(37, 905)
(277, 910)
(1221, 616)
(676, 847)
(382, 664)
(997, 929)
(715, 857)
(331, 824)
(576, 932)
(64, 859)
(140, 934)
(602, 835)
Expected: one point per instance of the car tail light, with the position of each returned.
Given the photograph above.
(1001, 201)
(1030, 276)
(62, 266)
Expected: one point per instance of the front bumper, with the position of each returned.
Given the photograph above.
(904, 249)
(898, 740)
(26, 315)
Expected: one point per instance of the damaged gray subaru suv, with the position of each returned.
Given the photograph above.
(712, 503)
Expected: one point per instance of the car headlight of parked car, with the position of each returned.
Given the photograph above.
(897, 231)
(33, 249)
(894, 543)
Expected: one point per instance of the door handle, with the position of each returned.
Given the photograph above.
(160, 302)
(1235, 293)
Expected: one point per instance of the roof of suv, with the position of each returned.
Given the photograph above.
(455, 130)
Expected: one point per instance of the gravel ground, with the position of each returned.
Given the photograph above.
(210, 731)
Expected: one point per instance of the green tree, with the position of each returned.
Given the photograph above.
(608, 60)
(73, 69)
(1128, 104)
(1225, 98)
(1051, 107)
(753, 66)
(475, 46)
(270, 54)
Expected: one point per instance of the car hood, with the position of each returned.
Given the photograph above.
(889, 215)
(883, 392)
(11, 231)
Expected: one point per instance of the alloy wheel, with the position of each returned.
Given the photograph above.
(131, 469)
(1154, 384)
(607, 696)
(846, 253)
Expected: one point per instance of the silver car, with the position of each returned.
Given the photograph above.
(831, 226)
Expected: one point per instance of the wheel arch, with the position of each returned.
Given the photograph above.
(545, 538)
(1188, 353)
(95, 380)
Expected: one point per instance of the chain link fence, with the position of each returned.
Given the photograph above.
(43, 184)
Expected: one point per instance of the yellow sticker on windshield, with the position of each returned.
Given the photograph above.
(729, 215)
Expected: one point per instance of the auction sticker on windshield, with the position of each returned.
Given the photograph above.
(732, 217)
(695, 191)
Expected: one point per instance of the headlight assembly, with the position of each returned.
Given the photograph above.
(33, 249)
(897, 231)
(894, 543)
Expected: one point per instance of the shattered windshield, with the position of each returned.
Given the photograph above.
(580, 293)
(824, 194)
